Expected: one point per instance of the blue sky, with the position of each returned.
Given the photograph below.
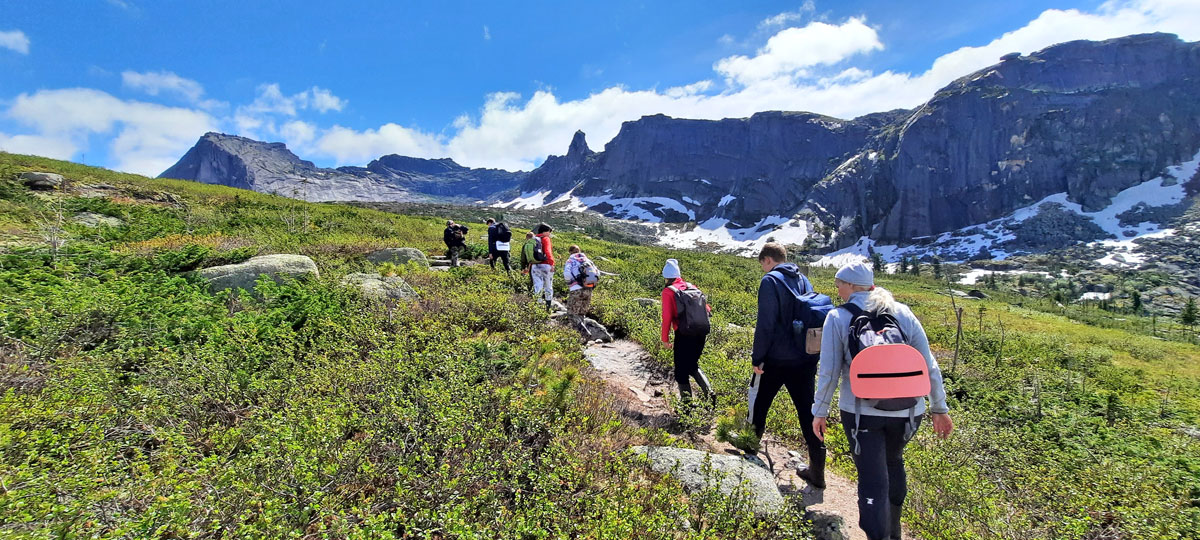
(130, 84)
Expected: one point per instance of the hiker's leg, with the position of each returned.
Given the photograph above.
(801, 386)
(454, 255)
(535, 277)
(548, 290)
(585, 301)
(492, 259)
(871, 463)
(702, 380)
(895, 443)
(772, 380)
(575, 303)
(686, 358)
(504, 257)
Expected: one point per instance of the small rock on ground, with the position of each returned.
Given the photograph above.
(92, 219)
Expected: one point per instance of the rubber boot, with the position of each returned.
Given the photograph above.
(894, 528)
(815, 473)
(706, 387)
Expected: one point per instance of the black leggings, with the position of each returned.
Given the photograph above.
(502, 255)
(801, 384)
(880, 464)
(687, 364)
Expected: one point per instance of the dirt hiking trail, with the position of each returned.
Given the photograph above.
(641, 390)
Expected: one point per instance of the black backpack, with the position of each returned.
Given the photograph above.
(691, 311)
(539, 250)
(503, 234)
(870, 328)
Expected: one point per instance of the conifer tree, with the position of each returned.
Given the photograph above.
(1187, 316)
(937, 267)
(877, 262)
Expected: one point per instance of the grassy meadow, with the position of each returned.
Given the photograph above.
(134, 403)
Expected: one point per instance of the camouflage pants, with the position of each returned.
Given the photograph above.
(579, 302)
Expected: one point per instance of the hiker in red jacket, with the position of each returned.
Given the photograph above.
(543, 265)
(677, 296)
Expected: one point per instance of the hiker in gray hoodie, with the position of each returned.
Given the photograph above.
(877, 437)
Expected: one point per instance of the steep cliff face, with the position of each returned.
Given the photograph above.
(272, 168)
(1088, 119)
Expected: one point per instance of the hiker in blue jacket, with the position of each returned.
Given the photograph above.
(777, 360)
(877, 437)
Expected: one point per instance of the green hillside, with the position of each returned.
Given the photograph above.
(137, 404)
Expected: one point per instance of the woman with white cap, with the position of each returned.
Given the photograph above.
(877, 436)
(685, 309)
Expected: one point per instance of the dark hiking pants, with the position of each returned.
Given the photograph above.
(687, 364)
(882, 483)
(801, 384)
(503, 256)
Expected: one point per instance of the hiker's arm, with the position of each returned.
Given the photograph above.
(919, 341)
(668, 314)
(830, 365)
(764, 324)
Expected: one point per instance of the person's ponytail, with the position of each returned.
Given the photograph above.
(881, 300)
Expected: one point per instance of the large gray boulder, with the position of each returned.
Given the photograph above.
(243, 275)
(398, 256)
(42, 181)
(377, 288)
(729, 475)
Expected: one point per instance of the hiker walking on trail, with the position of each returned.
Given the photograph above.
(527, 256)
(581, 275)
(543, 265)
(685, 309)
(455, 237)
(499, 237)
(788, 309)
(877, 351)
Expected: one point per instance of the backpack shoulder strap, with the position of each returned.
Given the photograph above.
(854, 310)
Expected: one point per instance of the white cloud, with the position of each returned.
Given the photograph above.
(39, 145)
(297, 133)
(792, 50)
(789, 17)
(14, 40)
(487, 34)
(350, 146)
(148, 137)
(155, 83)
(324, 101)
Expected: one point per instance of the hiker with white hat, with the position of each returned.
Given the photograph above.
(686, 311)
(877, 350)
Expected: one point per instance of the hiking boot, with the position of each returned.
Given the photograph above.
(894, 528)
(814, 475)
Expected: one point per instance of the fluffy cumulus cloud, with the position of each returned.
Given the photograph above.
(14, 40)
(791, 51)
(146, 138)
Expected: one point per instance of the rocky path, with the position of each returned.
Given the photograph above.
(642, 391)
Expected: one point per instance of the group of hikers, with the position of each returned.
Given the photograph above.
(870, 348)
(536, 261)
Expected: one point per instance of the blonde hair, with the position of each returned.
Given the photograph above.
(880, 299)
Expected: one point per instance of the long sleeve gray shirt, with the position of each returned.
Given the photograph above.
(835, 363)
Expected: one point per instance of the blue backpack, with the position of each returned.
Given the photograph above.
(808, 313)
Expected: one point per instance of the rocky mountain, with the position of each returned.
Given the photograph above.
(1079, 123)
(272, 168)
